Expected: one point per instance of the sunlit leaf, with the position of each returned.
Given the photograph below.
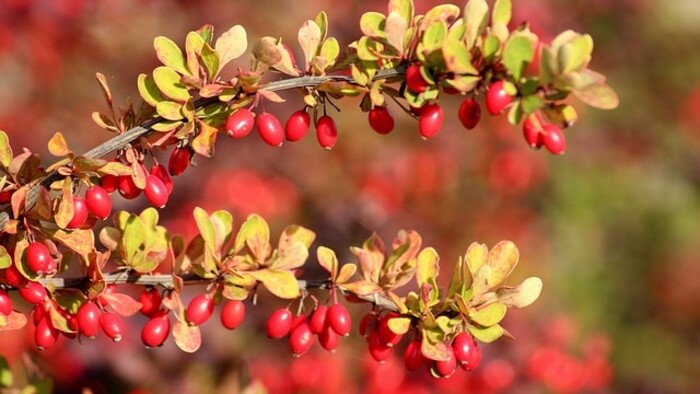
(490, 315)
(486, 334)
(502, 259)
(231, 45)
(282, 284)
(328, 260)
(170, 55)
(168, 82)
(522, 295)
(187, 338)
(58, 145)
(309, 37)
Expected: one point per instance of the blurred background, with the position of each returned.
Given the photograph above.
(611, 227)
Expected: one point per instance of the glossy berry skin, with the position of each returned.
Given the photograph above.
(326, 132)
(240, 123)
(463, 345)
(469, 113)
(379, 351)
(159, 171)
(301, 339)
(553, 139)
(98, 201)
(297, 126)
(299, 320)
(127, 187)
(329, 339)
(431, 120)
(80, 213)
(318, 319)
(380, 120)
(531, 132)
(156, 192)
(270, 129)
(156, 330)
(13, 277)
(112, 325)
(279, 323)
(448, 367)
(33, 293)
(232, 314)
(365, 323)
(89, 319)
(150, 300)
(179, 160)
(5, 303)
(45, 335)
(38, 258)
(413, 358)
(414, 80)
(497, 98)
(200, 309)
(387, 336)
(109, 182)
(339, 319)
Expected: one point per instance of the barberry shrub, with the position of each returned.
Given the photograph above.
(49, 216)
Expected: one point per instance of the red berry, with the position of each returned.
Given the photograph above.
(33, 293)
(279, 323)
(465, 349)
(240, 123)
(89, 319)
(474, 359)
(38, 258)
(387, 336)
(413, 358)
(414, 79)
(156, 192)
(339, 319)
(232, 314)
(179, 160)
(381, 120)
(270, 129)
(160, 171)
(469, 113)
(301, 339)
(199, 309)
(365, 322)
(156, 330)
(98, 202)
(39, 312)
(329, 339)
(299, 320)
(297, 125)
(5, 303)
(448, 367)
(379, 351)
(13, 277)
(317, 322)
(532, 127)
(109, 182)
(127, 187)
(326, 132)
(150, 300)
(80, 213)
(6, 196)
(498, 97)
(431, 120)
(112, 325)
(45, 335)
(554, 140)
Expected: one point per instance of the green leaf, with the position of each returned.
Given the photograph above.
(5, 150)
(517, 54)
(502, 10)
(321, 20)
(282, 284)
(5, 258)
(502, 259)
(399, 325)
(328, 260)
(168, 81)
(330, 50)
(133, 236)
(206, 32)
(309, 37)
(372, 24)
(515, 113)
(491, 46)
(170, 55)
(457, 58)
(170, 110)
(205, 227)
(490, 315)
(522, 295)
(531, 103)
(598, 96)
(403, 8)
(475, 20)
(486, 334)
(187, 338)
(575, 54)
(210, 61)
(434, 36)
(231, 45)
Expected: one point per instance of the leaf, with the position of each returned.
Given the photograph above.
(148, 90)
(5, 373)
(476, 256)
(428, 267)
(205, 141)
(5, 150)
(80, 241)
(295, 233)
(395, 29)
(193, 47)
(222, 222)
(522, 295)
(168, 81)
(309, 37)
(133, 236)
(170, 110)
(490, 315)
(170, 55)
(403, 8)
(231, 45)
(433, 350)
(321, 20)
(282, 284)
(486, 334)
(114, 168)
(210, 61)
(446, 13)
(475, 20)
(266, 53)
(14, 321)
(291, 256)
(104, 87)
(399, 325)
(346, 272)
(59, 321)
(361, 287)
(457, 58)
(58, 145)
(255, 233)
(122, 304)
(502, 10)
(517, 54)
(65, 208)
(598, 96)
(434, 36)
(102, 121)
(502, 259)
(187, 338)
(330, 50)
(575, 54)
(328, 260)
(205, 227)
(372, 24)
(5, 258)
(287, 64)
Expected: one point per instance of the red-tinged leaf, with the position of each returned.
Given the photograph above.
(121, 304)
(14, 321)
(188, 338)
(171, 301)
(58, 321)
(80, 241)
(291, 256)
(43, 206)
(362, 287)
(294, 233)
(204, 142)
(58, 145)
(18, 200)
(502, 258)
(282, 284)
(102, 81)
(328, 260)
(434, 351)
(65, 208)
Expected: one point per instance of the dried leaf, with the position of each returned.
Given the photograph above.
(328, 260)
(522, 295)
(121, 303)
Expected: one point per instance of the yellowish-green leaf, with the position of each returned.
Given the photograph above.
(193, 47)
(575, 54)
(330, 49)
(133, 236)
(231, 45)
(490, 315)
(5, 150)
(148, 90)
(457, 58)
(168, 82)
(328, 260)
(399, 325)
(432, 349)
(481, 284)
(6, 378)
(187, 338)
(486, 334)
(170, 55)
(475, 20)
(446, 13)
(502, 11)
(255, 233)
(372, 24)
(282, 284)
(517, 54)
(598, 96)
(346, 272)
(502, 258)
(170, 110)
(205, 227)
(522, 295)
(434, 36)
(321, 20)
(210, 61)
(428, 267)
(5, 258)
(476, 256)
(403, 8)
